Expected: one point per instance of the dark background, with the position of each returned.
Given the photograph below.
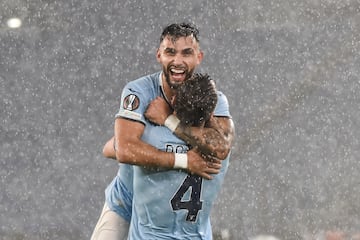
(290, 69)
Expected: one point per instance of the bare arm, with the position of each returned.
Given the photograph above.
(131, 149)
(108, 149)
(214, 140)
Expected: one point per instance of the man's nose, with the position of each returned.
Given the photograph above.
(178, 59)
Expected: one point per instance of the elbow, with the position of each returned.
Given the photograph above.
(126, 151)
(224, 148)
(105, 152)
(222, 152)
(108, 153)
(122, 155)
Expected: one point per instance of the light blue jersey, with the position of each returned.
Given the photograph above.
(119, 193)
(166, 204)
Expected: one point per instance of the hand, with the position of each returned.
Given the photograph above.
(157, 111)
(199, 166)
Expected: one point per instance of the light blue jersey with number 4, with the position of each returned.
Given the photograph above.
(167, 204)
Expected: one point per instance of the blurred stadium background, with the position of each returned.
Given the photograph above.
(290, 69)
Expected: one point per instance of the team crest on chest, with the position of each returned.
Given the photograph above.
(131, 102)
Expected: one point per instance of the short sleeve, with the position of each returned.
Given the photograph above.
(133, 103)
(222, 106)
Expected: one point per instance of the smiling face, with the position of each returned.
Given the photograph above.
(179, 57)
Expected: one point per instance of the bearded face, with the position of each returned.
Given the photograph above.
(179, 58)
(175, 77)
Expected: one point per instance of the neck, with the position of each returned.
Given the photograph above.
(168, 91)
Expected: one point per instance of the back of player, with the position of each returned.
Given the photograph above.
(119, 192)
(173, 204)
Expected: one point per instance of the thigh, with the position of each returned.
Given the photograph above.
(110, 226)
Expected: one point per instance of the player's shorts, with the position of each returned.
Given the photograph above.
(110, 226)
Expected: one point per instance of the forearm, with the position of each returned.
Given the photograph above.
(142, 154)
(214, 140)
(145, 157)
(130, 149)
(207, 140)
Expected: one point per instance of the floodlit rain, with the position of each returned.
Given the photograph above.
(290, 70)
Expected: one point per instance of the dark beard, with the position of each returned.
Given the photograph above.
(175, 86)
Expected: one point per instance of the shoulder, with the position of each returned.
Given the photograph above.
(222, 106)
(136, 96)
(144, 83)
(221, 97)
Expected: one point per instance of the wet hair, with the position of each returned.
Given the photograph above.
(177, 30)
(195, 100)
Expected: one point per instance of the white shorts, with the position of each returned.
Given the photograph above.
(110, 226)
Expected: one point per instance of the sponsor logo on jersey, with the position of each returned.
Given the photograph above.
(131, 102)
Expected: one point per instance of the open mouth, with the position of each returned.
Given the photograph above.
(177, 73)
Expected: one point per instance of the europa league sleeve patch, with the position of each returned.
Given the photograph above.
(131, 102)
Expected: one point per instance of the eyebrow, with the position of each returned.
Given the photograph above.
(168, 49)
(186, 50)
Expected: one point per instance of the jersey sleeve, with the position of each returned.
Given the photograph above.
(222, 106)
(133, 103)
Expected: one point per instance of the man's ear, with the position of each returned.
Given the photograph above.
(200, 56)
(158, 54)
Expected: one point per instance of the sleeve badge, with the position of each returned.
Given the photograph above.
(131, 102)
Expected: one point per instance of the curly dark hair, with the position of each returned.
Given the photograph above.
(196, 99)
(177, 30)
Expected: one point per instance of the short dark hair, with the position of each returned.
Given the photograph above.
(196, 99)
(177, 30)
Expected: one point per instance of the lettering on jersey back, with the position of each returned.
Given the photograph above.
(191, 186)
(176, 148)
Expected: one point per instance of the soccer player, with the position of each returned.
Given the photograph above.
(196, 100)
(171, 204)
